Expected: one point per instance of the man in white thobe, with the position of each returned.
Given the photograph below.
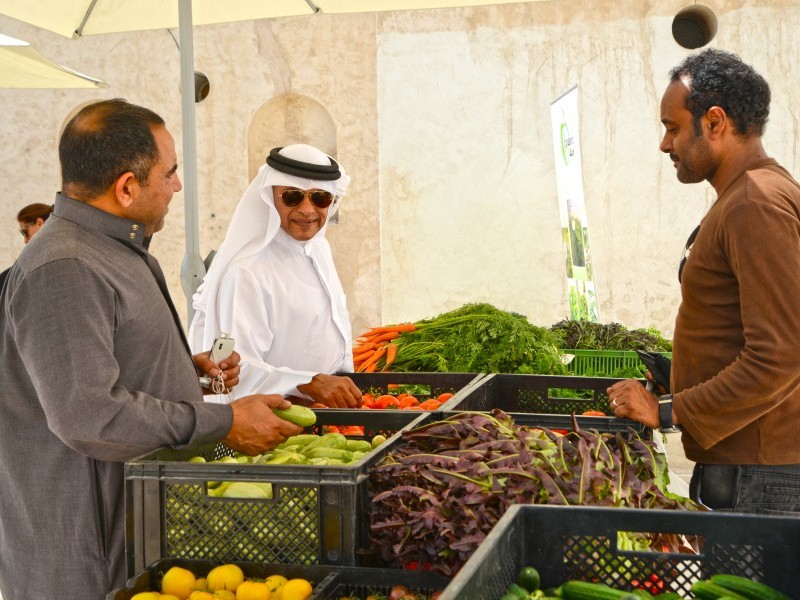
(273, 285)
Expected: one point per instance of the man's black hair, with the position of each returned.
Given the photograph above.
(720, 78)
(104, 140)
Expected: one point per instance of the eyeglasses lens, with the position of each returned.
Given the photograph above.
(320, 198)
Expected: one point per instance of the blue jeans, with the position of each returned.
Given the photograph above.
(763, 489)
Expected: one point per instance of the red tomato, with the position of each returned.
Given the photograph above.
(386, 401)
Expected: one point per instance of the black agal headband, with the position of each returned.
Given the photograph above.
(287, 165)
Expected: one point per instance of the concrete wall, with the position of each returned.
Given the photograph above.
(443, 120)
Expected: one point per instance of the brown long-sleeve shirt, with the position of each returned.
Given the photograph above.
(736, 356)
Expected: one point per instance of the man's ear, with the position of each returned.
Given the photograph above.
(126, 189)
(717, 120)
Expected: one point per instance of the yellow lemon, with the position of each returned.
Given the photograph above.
(201, 584)
(224, 577)
(168, 597)
(252, 590)
(275, 584)
(146, 596)
(178, 582)
(224, 595)
(201, 595)
(296, 589)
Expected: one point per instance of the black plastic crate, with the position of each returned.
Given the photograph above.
(545, 397)
(547, 394)
(329, 581)
(356, 583)
(433, 384)
(572, 542)
(316, 514)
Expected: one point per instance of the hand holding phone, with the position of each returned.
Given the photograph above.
(221, 349)
(659, 367)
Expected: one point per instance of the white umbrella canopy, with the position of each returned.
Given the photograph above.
(22, 67)
(89, 17)
(75, 18)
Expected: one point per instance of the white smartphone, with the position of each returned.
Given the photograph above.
(220, 350)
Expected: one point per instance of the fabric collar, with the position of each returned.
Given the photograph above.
(86, 215)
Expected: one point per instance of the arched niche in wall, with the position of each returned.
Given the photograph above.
(285, 120)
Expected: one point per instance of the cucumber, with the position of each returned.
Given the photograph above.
(299, 415)
(344, 455)
(304, 439)
(748, 588)
(329, 440)
(583, 590)
(358, 446)
(517, 591)
(529, 578)
(705, 590)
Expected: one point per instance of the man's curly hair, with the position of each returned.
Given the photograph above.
(718, 78)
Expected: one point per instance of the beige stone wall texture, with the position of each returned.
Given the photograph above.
(442, 117)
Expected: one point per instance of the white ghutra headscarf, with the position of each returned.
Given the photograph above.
(254, 226)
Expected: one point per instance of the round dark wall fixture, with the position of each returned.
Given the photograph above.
(201, 86)
(694, 26)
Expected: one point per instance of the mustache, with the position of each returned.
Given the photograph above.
(673, 157)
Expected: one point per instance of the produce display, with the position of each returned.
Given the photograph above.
(586, 335)
(480, 338)
(226, 582)
(303, 449)
(476, 338)
(717, 587)
(437, 495)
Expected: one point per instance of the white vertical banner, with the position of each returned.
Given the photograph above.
(572, 207)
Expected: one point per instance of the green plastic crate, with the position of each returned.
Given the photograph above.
(606, 363)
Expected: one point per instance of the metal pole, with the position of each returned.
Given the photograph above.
(192, 267)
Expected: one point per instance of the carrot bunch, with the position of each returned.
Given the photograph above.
(374, 348)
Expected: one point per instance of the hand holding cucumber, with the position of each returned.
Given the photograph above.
(256, 427)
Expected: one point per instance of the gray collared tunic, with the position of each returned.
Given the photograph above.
(94, 370)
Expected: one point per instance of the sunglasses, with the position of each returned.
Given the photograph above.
(686, 251)
(320, 198)
(24, 230)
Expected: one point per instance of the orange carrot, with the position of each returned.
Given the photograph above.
(370, 368)
(363, 347)
(385, 337)
(391, 354)
(400, 328)
(372, 360)
(362, 356)
(376, 331)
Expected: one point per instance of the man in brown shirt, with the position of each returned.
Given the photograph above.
(736, 367)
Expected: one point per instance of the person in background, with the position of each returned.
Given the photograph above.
(95, 366)
(30, 219)
(273, 285)
(735, 378)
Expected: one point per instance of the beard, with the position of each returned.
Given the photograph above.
(695, 162)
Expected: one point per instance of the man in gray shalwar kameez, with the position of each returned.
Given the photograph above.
(94, 364)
